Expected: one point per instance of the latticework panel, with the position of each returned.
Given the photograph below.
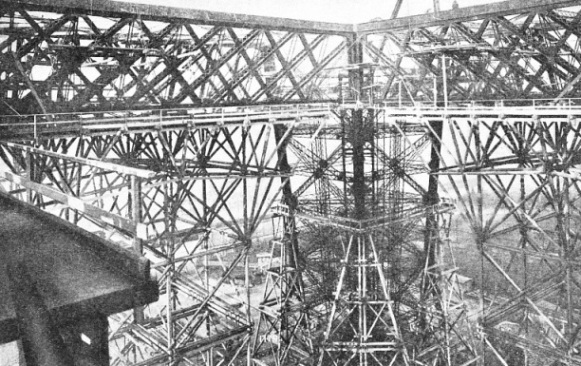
(517, 55)
(56, 59)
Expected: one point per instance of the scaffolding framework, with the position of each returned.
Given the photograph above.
(399, 160)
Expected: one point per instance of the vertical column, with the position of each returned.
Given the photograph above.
(356, 276)
(136, 213)
(432, 198)
(444, 81)
(523, 228)
(29, 174)
(288, 197)
(430, 286)
(480, 239)
(170, 271)
(357, 132)
(207, 286)
(291, 279)
(135, 205)
(564, 230)
(358, 189)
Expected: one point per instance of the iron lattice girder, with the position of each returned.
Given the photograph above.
(504, 8)
(160, 13)
(92, 62)
(491, 78)
(529, 53)
(201, 73)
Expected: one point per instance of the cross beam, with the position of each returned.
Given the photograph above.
(159, 12)
(163, 13)
(462, 14)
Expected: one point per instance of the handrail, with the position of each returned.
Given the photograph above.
(82, 122)
(347, 223)
(190, 110)
(538, 104)
(122, 169)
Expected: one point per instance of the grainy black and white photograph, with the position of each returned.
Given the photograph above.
(290, 183)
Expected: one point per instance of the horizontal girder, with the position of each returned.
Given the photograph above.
(164, 13)
(57, 59)
(61, 56)
(502, 8)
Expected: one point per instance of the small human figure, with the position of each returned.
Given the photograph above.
(455, 5)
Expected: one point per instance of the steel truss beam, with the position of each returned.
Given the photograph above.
(507, 51)
(57, 60)
(510, 50)
(502, 9)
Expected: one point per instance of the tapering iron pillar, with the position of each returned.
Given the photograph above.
(293, 321)
(358, 276)
(288, 197)
(285, 319)
(430, 287)
(289, 262)
(431, 198)
(135, 203)
(357, 132)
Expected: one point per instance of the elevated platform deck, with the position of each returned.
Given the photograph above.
(77, 273)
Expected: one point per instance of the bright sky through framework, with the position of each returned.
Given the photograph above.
(340, 11)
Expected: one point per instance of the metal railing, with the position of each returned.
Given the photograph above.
(487, 104)
(38, 125)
